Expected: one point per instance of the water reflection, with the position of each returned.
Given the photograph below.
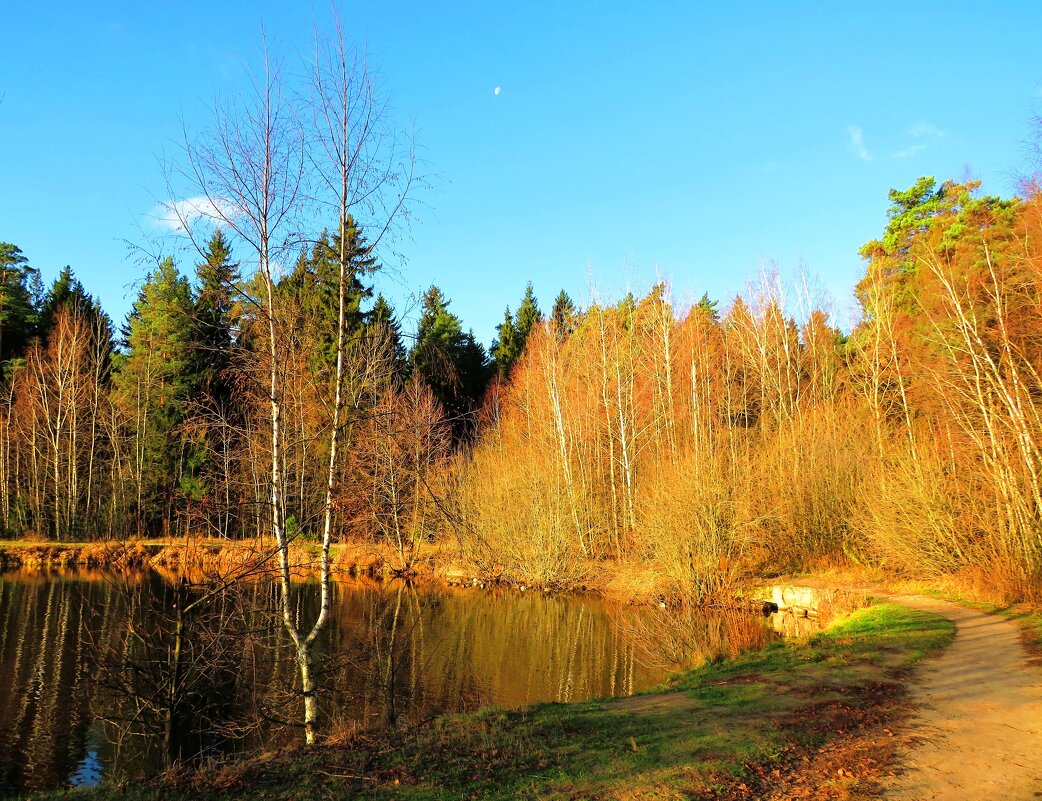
(117, 678)
(44, 704)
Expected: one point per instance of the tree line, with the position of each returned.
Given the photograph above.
(151, 430)
(701, 442)
(686, 447)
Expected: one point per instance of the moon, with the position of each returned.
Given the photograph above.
(497, 90)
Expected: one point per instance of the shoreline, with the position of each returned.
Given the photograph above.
(441, 565)
(828, 717)
(205, 558)
(768, 723)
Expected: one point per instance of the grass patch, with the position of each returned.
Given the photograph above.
(726, 730)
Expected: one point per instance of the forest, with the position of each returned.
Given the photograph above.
(261, 389)
(698, 445)
(295, 522)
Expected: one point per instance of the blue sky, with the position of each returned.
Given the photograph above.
(685, 140)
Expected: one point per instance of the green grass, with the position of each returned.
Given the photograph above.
(706, 728)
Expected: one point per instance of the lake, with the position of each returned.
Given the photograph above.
(89, 690)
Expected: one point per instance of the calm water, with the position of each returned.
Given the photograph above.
(85, 677)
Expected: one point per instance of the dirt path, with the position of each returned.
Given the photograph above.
(977, 732)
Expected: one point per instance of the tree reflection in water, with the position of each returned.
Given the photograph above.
(688, 636)
(113, 678)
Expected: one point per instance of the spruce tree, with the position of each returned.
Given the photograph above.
(514, 331)
(505, 348)
(67, 292)
(314, 287)
(153, 381)
(381, 322)
(215, 417)
(213, 331)
(528, 315)
(19, 302)
(453, 363)
(563, 315)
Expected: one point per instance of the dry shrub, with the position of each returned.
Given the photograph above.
(800, 485)
(911, 519)
(357, 558)
(114, 555)
(32, 535)
(834, 604)
(343, 732)
(519, 524)
(689, 529)
(925, 514)
(996, 581)
(635, 581)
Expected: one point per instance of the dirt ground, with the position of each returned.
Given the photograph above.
(976, 733)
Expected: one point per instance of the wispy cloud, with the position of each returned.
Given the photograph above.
(176, 214)
(926, 129)
(925, 133)
(908, 152)
(856, 143)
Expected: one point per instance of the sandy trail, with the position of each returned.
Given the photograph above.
(977, 731)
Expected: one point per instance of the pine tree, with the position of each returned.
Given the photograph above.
(381, 322)
(153, 381)
(707, 308)
(452, 363)
(19, 302)
(563, 316)
(214, 318)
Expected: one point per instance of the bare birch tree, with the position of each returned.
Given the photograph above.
(266, 163)
(246, 175)
(362, 169)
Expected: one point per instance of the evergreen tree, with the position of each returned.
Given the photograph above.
(214, 319)
(505, 348)
(19, 302)
(381, 321)
(472, 367)
(314, 286)
(707, 308)
(514, 331)
(67, 292)
(563, 315)
(451, 362)
(528, 315)
(950, 211)
(153, 381)
(216, 418)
